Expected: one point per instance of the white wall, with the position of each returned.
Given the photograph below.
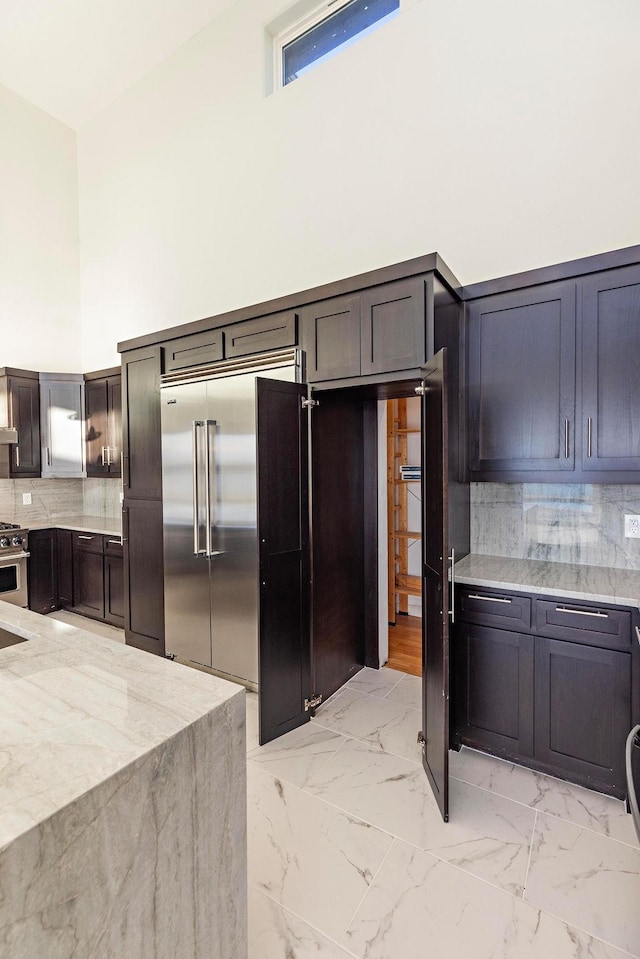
(39, 261)
(501, 134)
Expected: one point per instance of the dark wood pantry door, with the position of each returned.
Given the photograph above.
(283, 534)
(435, 581)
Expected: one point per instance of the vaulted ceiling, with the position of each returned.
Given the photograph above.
(73, 57)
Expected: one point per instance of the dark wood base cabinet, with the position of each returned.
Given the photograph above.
(78, 571)
(43, 571)
(559, 705)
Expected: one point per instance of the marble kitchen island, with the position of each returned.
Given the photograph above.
(122, 801)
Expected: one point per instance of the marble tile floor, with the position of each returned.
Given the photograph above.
(348, 856)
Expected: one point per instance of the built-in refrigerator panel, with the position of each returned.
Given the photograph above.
(186, 569)
(234, 567)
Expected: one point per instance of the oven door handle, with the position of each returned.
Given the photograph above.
(8, 558)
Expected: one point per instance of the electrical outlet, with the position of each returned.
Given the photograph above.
(632, 526)
(26, 499)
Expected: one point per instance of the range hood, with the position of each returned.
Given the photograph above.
(8, 435)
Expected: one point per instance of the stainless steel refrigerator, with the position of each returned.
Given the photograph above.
(209, 473)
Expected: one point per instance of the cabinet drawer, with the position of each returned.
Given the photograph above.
(592, 625)
(258, 336)
(194, 350)
(113, 546)
(88, 542)
(487, 608)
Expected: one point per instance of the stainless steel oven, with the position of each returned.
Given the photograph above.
(14, 584)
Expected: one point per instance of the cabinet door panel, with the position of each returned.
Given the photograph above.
(590, 625)
(611, 385)
(43, 568)
(65, 567)
(393, 327)
(113, 590)
(331, 338)
(141, 440)
(97, 432)
(583, 711)
(522, 380)
(256, 336)
(486, 608)
(62, 424)
(114, 424)
(88, 584)
(195, 350)
(144, 576)
(24, 397)
(493, 688)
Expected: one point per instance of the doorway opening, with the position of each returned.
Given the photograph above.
(400, 512)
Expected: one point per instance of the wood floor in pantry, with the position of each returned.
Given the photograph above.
(405, 645)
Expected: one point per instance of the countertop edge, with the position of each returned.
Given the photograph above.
(596, 584)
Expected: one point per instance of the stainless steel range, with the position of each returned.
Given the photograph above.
(14, 541)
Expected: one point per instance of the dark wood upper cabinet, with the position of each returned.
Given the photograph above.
(610, 382)
(195, 350)
(331, 338)
(103, 423)
(141, 437)
(379, 330)
(393, 327)
(20, 409)
(274, 332)
(522, 381)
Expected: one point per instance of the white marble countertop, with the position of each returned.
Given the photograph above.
(76, 709)
(83, 522)
(599, 584)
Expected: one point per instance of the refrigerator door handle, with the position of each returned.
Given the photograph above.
(196, 491)
(210, 501)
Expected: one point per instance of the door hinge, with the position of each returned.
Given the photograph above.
(170, 656)
(421, 740)
(309, 403)
(312, 703)
(419, 390)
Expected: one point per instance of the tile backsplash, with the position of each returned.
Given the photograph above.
(53, 499)
(101, 497)
(564, 523)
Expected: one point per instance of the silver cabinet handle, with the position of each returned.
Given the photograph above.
(589, 435)
(103, 463)
(638, 634)
(581, 612)
(114, 542)
(17, 456)
(452, 611)
(48, 456)
(490, 599)
(566, 439)
(85, 537)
